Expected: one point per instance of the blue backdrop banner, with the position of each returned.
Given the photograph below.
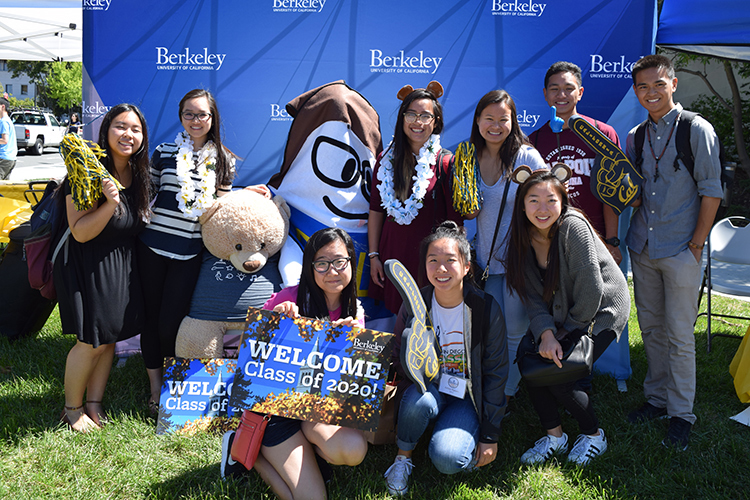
(256, 56)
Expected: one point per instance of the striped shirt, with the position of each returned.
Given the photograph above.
(170, 232)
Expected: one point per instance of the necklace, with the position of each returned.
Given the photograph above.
(190, 204)
(651, 147)
(405, 212)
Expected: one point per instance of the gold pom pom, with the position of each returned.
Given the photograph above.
(85, 172)
(466, 196)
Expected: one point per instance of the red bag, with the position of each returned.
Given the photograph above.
(40, 262)
(249, 437)
(49, 233)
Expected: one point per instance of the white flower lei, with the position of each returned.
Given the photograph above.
(404, 213)
(206, 169)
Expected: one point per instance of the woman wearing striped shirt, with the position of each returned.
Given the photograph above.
(187, 176)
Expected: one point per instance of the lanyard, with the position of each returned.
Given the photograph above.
(651, 147)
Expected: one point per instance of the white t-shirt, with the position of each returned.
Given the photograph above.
(449, 328)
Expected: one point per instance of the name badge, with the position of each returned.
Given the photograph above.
(452, 385)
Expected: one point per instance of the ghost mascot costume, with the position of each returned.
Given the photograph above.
(326, 175)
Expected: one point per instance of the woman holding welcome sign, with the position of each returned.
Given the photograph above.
(294, 452)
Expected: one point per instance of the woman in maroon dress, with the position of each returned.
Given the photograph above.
(411, 193)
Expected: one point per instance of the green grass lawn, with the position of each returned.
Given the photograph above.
(42, 459)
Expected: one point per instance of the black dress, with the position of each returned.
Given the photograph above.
(98, 286)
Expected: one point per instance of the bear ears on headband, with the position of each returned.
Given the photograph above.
(559, 170)
(433, 87)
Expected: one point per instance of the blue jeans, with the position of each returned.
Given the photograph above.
(456, 433)
(516, 324)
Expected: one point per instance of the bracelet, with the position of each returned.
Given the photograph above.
(373, 254)
(693, 245)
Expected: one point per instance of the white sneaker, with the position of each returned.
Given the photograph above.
(544, 448)
(587, 447)
(397, 475)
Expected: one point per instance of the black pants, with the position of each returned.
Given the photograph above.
(577, 402)
(167, 289)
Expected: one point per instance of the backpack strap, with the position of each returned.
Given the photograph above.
(682, 142)
(438, 193)
(640, 136)
(63, 242)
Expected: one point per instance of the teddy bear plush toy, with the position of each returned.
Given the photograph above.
(243, 232)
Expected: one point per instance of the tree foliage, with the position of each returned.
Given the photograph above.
(20, 103)
(37, 71)
(726, 112)
(64, 83)
(58, 83)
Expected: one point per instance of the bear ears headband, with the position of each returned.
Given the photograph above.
(433, 87)
(523, 172)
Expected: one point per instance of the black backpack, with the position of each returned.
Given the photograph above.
(684, 151)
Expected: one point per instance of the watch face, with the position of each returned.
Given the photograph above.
(615, 241)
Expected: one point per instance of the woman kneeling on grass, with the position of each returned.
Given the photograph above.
(294, 452)
(466, 401)
(565, 275)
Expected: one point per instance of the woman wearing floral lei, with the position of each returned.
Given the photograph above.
(411, 194)
(497, 145)
(188, 175)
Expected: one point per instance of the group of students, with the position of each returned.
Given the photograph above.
(550, 273)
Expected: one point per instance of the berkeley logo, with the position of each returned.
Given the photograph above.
(188, 60)
(527, 120)
(279, 114)
(298, 5)
(94, 110)
(403, 64)
(518, 8)
(96, 4)
(610, 69)
(367, 346)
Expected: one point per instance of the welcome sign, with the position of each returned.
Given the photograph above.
(307, 369)
(195, 396)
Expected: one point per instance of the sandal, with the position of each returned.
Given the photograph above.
(99, 419)
(153, 407)
(65, 417)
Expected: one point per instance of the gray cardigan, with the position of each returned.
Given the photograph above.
(592, 292)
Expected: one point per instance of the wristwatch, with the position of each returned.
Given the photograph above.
(613, 241)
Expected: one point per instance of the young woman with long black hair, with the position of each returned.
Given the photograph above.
(571, 286)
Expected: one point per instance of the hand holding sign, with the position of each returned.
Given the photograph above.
(555, 122)
(614, 181)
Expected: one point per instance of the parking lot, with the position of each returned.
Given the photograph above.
(46, 166)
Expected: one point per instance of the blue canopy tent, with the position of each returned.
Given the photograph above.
(720, 28)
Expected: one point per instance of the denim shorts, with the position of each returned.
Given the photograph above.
(279, 429)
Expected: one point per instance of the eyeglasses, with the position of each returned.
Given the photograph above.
(322, 266)
(411, 117)
(187, 115)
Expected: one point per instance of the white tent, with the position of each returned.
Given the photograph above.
(41, 30)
